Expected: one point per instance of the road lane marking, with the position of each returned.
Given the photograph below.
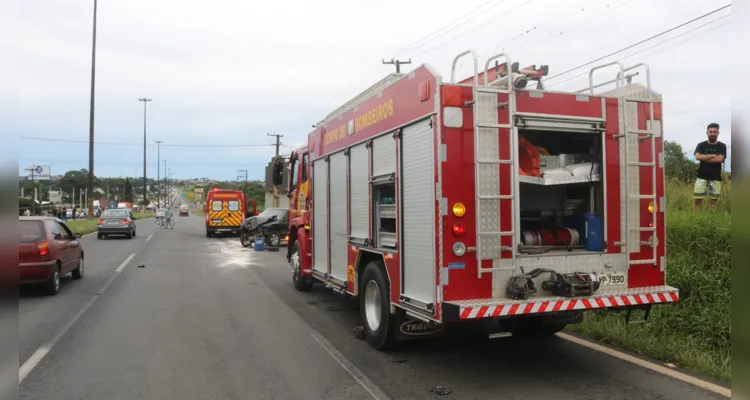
(42, 351)
(125, 263)
(149, 237)
(355, 373)
(649, 365)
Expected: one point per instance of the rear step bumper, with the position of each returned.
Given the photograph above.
(604, 298)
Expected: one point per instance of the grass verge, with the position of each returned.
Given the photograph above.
(696, 332)
(84, 226)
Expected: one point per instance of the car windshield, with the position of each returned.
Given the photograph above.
(278, 212)
(31, 231)
(115, 214)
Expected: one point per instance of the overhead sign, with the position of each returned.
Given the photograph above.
(198, 190)
(38, 172)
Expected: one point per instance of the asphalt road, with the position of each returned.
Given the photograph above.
(208, 319)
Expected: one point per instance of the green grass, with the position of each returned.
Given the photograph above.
(84, 226)
(696, 332)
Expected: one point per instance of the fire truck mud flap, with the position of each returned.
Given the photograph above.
(604, 299)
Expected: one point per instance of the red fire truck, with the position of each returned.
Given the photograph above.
(439, 202)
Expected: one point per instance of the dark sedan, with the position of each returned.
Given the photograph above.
(116, 222)
(272, 224)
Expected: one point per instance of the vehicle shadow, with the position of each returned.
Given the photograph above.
(31, 290)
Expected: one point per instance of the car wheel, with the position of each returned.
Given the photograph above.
(99, 236)
(245, 239)
(133, 232)
(52, 286)
(274, 239)
(78, 272)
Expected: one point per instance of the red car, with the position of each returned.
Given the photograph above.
(47, 249)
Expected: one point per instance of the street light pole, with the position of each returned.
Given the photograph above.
(90, 188)
(158, 172)
(145, 101)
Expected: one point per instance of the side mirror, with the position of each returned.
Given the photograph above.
(273, 218)
(77, 235)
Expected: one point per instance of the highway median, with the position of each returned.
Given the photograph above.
(85, 226)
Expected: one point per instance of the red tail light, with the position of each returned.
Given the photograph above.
(101, 221)
(126, 221)
(43, 248)
(459, 229)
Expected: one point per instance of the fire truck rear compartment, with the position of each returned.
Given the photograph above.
(561, 198)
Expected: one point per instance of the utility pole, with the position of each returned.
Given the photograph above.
(33, 198)
(397, 63)
(91, 119)
(165, 182)
(145, 101)
(158, 171)
(239, 177)
(276, 158)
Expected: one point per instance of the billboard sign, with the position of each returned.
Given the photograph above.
(198, 190)
(38, 172)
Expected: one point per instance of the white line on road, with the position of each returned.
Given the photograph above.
(149, 237)
(649, 365)
(42, 351)
(358, 376)
(125, 263)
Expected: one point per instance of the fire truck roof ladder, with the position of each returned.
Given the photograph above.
(633, 165)
(487, 163)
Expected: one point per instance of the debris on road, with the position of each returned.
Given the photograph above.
(141, 266)
(359, 332)
(441, 390)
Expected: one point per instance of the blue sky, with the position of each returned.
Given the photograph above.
(229, 73)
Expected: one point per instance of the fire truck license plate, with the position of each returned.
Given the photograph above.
(216, 221)
(613, 279)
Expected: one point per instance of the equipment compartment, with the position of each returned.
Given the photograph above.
(384, 214)
(560, 197)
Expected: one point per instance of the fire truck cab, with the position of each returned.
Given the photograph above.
(443, 202)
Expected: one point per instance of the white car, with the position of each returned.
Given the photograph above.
(160, 213)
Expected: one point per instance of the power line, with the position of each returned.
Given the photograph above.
(655, 45)
(473, 29)
(641, 42)
(348, 88)
(141, 144)
(414, 46)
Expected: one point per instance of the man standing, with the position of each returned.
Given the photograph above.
(711, 155)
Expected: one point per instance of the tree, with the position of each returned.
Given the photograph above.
(676, 164)
(128, 195)
(73, 180)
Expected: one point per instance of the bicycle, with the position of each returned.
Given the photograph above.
(164, 222)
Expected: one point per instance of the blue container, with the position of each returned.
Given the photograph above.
(577, 222)
(259, 244)
(594, 232)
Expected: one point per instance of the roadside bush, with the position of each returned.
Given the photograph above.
(696, 332)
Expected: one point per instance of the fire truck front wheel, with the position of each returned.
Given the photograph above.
(301, 283)
(374, 302)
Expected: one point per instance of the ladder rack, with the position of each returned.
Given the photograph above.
(632, 159)
(487, 163)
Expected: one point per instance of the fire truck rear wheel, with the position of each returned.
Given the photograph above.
(374, 306)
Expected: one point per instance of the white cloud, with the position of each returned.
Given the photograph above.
(230, 71)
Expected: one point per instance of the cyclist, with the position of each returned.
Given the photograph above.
(167, 216)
